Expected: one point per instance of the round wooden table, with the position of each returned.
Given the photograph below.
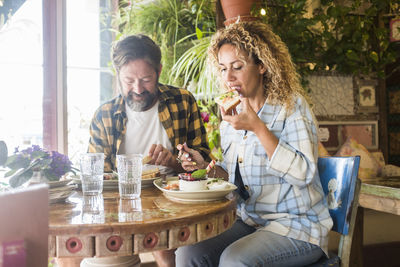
(106, 225)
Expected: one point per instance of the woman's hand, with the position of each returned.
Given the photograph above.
(249, 120)
(190, 159)
(246, 120)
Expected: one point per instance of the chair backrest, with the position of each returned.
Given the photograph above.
(24, 215)
(340, 184)
(338, 178)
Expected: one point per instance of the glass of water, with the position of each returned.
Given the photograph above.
(129, 175)
(92, 168)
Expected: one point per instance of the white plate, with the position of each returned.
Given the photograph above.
(60, 198)
(55, 184)
(196, 196)
(163, 169)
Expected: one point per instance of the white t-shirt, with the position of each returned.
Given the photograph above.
(143, 129)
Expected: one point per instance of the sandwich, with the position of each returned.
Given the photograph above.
(228, 100)
(146, 159)
(151, 173)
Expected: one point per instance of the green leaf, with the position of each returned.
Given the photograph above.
(17, 162)
(374, 56)
(3, 153)
(199, 33)
(200, 173)
(20, 178)
(10, 172)
(350, 54)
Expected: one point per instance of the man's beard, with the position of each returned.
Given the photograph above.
(148, 99)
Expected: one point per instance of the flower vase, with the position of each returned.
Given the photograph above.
(233, 9)
(38, 177)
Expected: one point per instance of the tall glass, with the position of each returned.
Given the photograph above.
(129, 175)
(92, 168)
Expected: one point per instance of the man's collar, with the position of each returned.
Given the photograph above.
(120, 105)
(163, 92)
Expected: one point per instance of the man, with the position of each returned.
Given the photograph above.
(146, 117)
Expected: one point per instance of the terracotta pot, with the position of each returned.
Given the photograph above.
(234, 8)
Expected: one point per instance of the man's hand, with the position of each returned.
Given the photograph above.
(160, 156)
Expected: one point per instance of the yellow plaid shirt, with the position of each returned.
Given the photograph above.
(178, 113)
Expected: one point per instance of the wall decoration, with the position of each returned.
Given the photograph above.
(365, 132)
(365, 95)
(331, 94)
(395, 30)
(329, 136)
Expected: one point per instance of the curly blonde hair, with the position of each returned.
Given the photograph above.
(256, 39)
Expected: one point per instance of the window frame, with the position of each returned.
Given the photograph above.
(55, 126)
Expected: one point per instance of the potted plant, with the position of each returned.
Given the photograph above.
(233, 9)
(172, 24)
(34, 162)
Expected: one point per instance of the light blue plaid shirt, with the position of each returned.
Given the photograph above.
(286, 196)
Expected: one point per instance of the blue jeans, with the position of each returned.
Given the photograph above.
(242, 245)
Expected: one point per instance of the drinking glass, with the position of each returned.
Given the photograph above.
(92, 168)
(129, 175)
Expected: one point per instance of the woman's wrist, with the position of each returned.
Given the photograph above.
(259, 127)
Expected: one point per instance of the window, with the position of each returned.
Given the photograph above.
(89, 77)
(21, 82)
(72, 75)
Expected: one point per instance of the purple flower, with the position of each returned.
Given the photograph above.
(60, 164)
(205, 116)
(52, 164)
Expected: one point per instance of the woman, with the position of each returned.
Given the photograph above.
(270, 152)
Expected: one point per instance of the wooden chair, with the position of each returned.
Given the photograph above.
(340, 184)
(24, 221)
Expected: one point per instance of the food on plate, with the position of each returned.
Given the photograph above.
(217, 184)
(201, 173)
(228, 100)
(110, 176)
(172, 185)
(146, 159)
(189, 183)
(150, 173)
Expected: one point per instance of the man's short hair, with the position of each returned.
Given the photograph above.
(135, 47)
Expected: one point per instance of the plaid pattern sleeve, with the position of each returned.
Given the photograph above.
(295, 158)
(106, 129)
(181, 118)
